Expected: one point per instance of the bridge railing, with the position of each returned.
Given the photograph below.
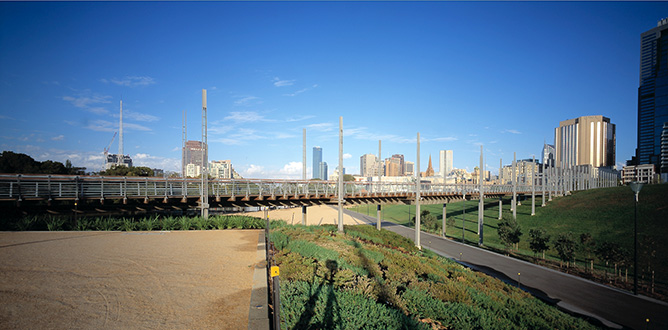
(22, 186)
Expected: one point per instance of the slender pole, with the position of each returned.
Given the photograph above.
(635, 249)
(340, 201)
(463, 217)
(481, 204)
(304, 172)
(514, 182)
(380, 169)
(417, 195)
(444, 217)
(533, 186)
(205, 160)
(378, 210)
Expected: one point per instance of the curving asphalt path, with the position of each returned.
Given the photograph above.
(612, 307)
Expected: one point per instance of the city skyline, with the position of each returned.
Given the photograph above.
(462, 74)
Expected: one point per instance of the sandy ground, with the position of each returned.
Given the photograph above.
(118, 280)
(315, 215)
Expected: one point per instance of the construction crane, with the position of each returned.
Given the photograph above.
(106, 150)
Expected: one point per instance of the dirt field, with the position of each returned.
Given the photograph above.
(119, 280)
(315, 215)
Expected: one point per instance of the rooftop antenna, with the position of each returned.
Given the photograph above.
(120, 159)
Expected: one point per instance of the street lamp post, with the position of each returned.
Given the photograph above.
(635, 186)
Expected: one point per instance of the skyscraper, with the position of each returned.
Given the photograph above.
(317, 159)
(587, 140)
(444, 162)
(192, 154)
(322, 171)
(368, 165)
(548, 155)
(652, 93)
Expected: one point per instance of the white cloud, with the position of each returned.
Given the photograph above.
(511, 131)
(299, 118)
(347, 156)
(281, 83)
(440, 139)
(137, 116)
(58, 138)
(253, 171)
(150, 161)
(301, 91)
(131, 81)
(292, 169)
(84, 101)
(321, 127)
(245, 116)
(247, 100)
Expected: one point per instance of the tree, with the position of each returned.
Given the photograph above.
(428, 221)
(120, 170)
(348, 177)
(539, 241)
(565, 246)
(611, 253)
(587, 245)
(509, 231)
(11, 162)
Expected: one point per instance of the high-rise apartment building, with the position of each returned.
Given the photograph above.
(220, 169)
(587, 140)
(652, 93)
(317, 159)
(192, 154)
(402, 165)
(393, 166)
(444, 162)
(368, 165)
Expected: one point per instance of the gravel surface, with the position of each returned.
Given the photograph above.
(127, 280)
(315, 215)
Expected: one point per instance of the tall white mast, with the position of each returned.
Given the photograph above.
(120, 138)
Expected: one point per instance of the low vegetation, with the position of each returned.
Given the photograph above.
(156, 222)
(369, 279)
(589, 233)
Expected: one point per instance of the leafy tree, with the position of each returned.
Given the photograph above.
(611, 253)
(509, 231)
(348, 177)
(587, 244)
(11, 162)
(120, 170)
(539, 241)
(428, 221)
(565, 246)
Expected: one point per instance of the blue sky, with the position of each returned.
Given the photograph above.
(500, 74)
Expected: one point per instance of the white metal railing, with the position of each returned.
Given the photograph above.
(22, 186)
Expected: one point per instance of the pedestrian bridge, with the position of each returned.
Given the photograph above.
(22, 189)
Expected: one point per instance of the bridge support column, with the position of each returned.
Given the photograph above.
(444, 218)
(378, 216)
(304, 215)
(533, 186)
(500, 207)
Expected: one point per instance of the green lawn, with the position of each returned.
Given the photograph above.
(607, 214)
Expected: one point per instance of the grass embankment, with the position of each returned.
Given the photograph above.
(59, 223)
(607, 214)
(369, 279)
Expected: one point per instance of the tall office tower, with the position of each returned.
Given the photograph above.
(192, 154)
(652, 93)
(410, 168)
(549, 154)
(322, 170)
(402, 165)
(587, 140)
(444, 162)
(664, 153)
(393, 166)
(368, 165)
(317, 159)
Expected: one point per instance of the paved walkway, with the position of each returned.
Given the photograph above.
(613, 307)
(127, 280)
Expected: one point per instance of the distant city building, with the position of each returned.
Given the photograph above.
(220, 169)
(444, 162)
(317, 159)
(322, 171)
(652, 94)
(587, 140)
(113, 160)
(402, 165)
(549, 155)
(393, 166)
(410, 168)
(192, 154)
(525, 169)
(368, 165)
(641, 173)
(158, 172)
(193, 171)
